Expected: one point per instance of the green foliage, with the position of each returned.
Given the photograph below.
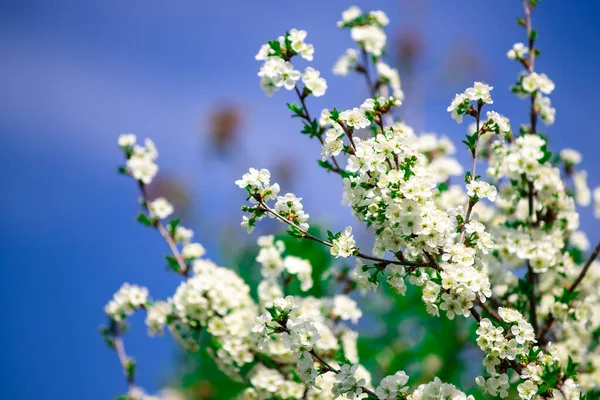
(312, 129)
(567, 296)
(172, 263)
(547, 154)
(296, 109)
(410, 339)
(173, 225)
(144, 219)
(571, 369)
(471, 141)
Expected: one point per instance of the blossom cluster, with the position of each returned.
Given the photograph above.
(483, 247)
(366, 29)
(277, 71)
(126, 301)
(534, 85)
(274, 265)
(503, 345)
(140, 159)
(260, 190)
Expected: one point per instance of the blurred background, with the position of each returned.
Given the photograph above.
(76, 74)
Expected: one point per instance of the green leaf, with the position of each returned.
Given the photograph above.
(174, 224)
(311, 129)
(542, 389)
(471, 141)
(276, 46)
(173, 264)
(325, 164)
(567, 297)
(287, 40)
(296, 109)
(533, 34)
(144, 219)
(547, 155)
(293, 232)
(571, 368)
(346, 174)
(334, 114)
(468, 177)
(130, 369)
(330, 236)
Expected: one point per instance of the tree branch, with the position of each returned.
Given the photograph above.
(183, 267)
(306, 117)
(471, 204)
(309, 236)
(541, 337)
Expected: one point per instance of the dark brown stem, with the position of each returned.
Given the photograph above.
(183, 267)
(531, 275)
(365, 71)
(306, 117)
(306, 235)
(585, 269)
(473, 173)
(491, 312)
(531, 279)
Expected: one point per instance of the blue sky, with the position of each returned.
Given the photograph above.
(74, 74)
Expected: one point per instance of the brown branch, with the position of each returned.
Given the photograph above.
(471, 203)
(549, 323)
(119, 347)
(364, 69)
(183, 267)
(531, 278)
(306, 117)
(585, 269)
(492, 313)
(306, 235)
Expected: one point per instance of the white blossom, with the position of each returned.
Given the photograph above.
(355, 118)
(127, 140)
(160, 208)
(193, 250)
(518, 51)
(314, 82)
(344, 245)
(482, 190)
(391, 386)
(346, 62)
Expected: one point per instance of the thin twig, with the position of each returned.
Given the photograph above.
(123, 359)
(489, 310)
(119, 347)
(337, 371)
(585, 269)
(306, 117)
(531, 275)
(365, 71)
(473, 173)
(183, 267)
(309, 236)
(389, 119)
(530, 38)
(549, 323)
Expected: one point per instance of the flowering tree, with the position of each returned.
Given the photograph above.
(503, 251)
